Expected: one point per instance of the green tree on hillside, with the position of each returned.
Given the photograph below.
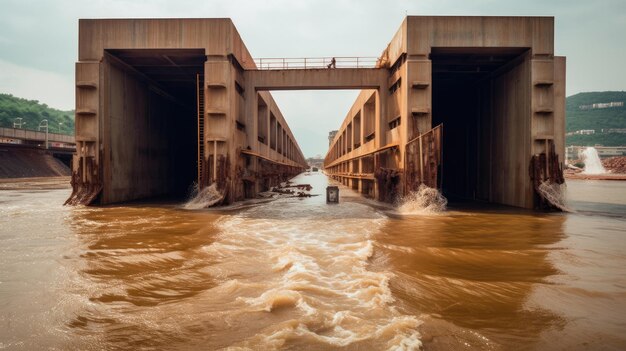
(596, 119)
(32, 113)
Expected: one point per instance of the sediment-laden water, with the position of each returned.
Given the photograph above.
(296, 273)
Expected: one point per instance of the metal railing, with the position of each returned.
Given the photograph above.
(316, 63)
(28, 134)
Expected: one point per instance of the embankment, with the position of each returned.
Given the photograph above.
(25, 162)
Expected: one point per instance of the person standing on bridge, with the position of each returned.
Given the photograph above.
(332, 64)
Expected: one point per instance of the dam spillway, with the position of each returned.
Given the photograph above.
(464, 104)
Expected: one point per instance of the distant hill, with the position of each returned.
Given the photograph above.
(33, 112)
(581, 114)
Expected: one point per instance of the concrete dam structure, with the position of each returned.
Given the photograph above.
(165, 103)
(474, 106)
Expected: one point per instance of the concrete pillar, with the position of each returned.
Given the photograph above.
(417, 113)
(559, 106)
(275, 139)
(380, 127)
(251, 114)
(542, 104)
(220, 102)
(269, 126)
(89, 78)
(418, 92)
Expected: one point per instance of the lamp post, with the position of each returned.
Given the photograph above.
(17, 123)
(59, 131)
(46, 126)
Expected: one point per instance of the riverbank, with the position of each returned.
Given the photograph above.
(606, 176)
(35, 183)
(25, 162)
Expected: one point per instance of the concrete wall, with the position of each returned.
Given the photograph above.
(426, 32)
(214, 35)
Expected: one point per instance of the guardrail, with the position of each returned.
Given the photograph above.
(27, 134)
(315, 63)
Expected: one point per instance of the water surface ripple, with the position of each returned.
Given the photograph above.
(296, 273)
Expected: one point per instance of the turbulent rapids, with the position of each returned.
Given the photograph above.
(204, 198)
(424, 201)
(311, 276)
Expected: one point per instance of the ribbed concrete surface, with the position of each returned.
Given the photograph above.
(19, 162)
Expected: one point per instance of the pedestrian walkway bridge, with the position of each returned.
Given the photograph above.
(25, 136)
(273, 63)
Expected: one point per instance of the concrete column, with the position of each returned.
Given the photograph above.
(417, 113)
(381, 116)
(418, 92)
(559, 106)
(220, 100)
(89, 80)
(352, 132)
(269, 127)
(277, 138)
(251, 113)
(542, 104)
(380, 127)
(361, 171)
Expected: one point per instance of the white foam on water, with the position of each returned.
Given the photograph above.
(593, 164)
(310, 266)
(204, 198)
(424, 201)
(555, 194)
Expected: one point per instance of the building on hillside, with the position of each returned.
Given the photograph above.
(602, 105)
(331, 136)
(614, 131)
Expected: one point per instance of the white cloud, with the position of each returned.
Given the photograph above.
(41, 36)
(54, 89)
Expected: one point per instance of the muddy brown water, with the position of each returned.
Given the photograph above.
(296, 273)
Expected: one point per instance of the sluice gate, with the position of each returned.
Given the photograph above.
(163, 105)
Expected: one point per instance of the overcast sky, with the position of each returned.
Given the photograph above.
(38, 42)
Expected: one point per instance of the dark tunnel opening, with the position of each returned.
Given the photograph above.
(480, 95)
(151, 102)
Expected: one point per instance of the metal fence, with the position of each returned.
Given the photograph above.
(315, 63)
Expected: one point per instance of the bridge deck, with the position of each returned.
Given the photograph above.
(318, 78)
(25, 134)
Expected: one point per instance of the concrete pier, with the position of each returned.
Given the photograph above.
(160, 105)
(495, 87)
